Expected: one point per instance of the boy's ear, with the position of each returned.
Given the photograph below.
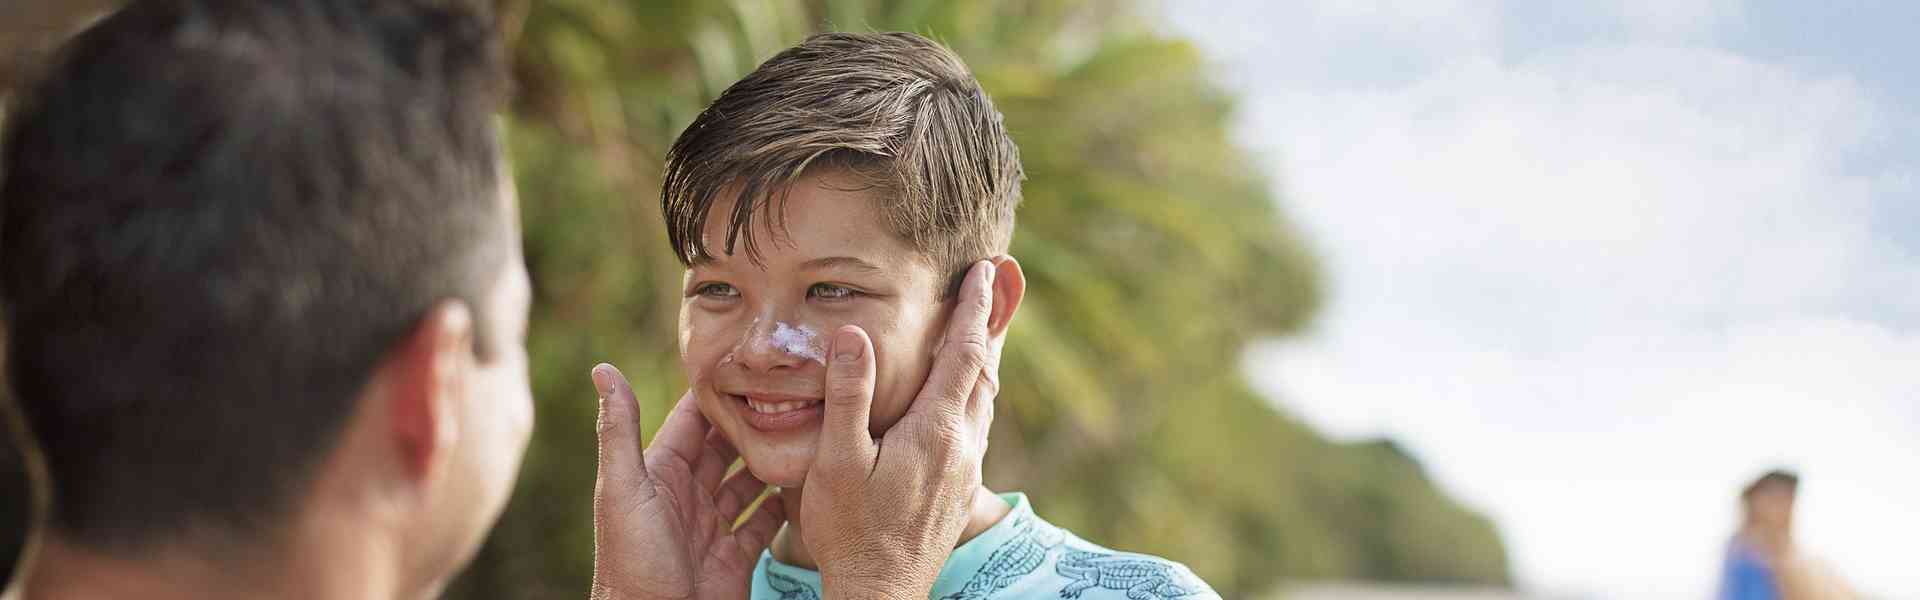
(1009, 287)
(423, 379)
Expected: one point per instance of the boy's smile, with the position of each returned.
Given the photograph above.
(768, 409)
(753, 337)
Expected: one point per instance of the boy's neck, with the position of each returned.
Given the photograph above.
(986, 510)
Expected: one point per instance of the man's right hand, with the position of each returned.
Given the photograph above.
(882, 515)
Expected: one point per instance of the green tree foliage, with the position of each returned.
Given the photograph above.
(1153, 248)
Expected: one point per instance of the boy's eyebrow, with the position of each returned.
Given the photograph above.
(840, 261)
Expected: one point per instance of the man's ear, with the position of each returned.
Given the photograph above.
(424, 384)
(1009, 287)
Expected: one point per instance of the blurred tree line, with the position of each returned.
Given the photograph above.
(1153, 248)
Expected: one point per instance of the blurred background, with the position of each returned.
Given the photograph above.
(1328, 299)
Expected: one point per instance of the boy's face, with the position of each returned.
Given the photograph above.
(754, 338)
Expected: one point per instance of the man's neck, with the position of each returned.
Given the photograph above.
(319, 569)
(986, 510)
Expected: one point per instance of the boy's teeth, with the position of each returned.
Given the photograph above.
(779, 407)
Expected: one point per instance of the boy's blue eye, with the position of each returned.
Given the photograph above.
(717, 290)
(828, 291)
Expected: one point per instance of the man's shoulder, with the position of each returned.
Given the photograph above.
(1041, 560)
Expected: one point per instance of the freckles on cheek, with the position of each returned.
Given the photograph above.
(702, 340)
(697, 361)
(686, 331)
(730, 350)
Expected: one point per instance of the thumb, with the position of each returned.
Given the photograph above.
(849, 399)
(618, 426)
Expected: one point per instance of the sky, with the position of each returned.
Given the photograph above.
(1600, 264)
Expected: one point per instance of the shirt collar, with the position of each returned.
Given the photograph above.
(960, 565)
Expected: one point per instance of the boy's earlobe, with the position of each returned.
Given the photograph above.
(1009, 287)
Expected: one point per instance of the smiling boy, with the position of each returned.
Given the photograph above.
(843, 190)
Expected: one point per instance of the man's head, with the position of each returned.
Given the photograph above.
(1769, 500)
(261, 256)
(858, 176)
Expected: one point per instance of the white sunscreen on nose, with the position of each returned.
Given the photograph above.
(800, 341)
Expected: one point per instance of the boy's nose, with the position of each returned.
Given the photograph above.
(769, 344)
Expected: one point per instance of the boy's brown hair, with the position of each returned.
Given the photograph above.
(898, 112)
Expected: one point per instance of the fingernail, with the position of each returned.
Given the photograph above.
(846, 346)
(986, 284)
(602, 380)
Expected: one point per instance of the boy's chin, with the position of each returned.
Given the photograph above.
(784, 466)
(785, 479)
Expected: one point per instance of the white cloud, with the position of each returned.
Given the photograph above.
(1596, 286)
(1339, 39)
(1676, 17)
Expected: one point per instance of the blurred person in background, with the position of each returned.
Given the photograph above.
(1764, 538)
(266, 306)
(1762, 561)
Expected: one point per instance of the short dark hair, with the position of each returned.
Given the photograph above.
(218, 215)
(898, 110)
(1775, 477)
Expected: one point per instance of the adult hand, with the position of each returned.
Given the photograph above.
(884, 514)
(662, 518)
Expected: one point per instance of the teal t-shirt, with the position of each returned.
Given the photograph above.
(1021, 557)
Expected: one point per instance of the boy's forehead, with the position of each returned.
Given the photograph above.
(816, 218)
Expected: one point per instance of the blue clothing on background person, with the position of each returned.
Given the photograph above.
(1746, 576)
(1021, 557)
